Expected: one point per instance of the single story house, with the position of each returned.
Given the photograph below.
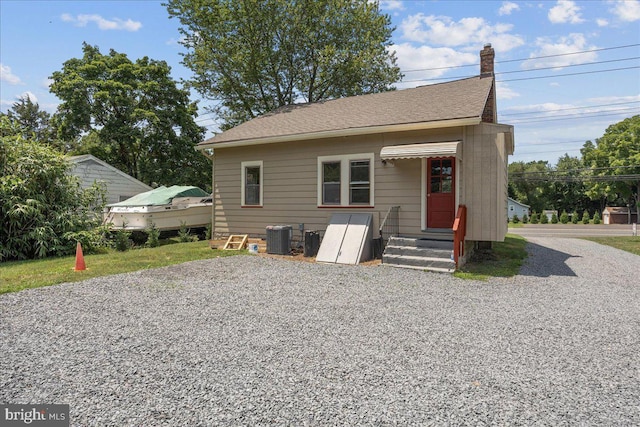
(619, 215)
(427, 150)
(549, 213)
(118, 185)
(517, 208)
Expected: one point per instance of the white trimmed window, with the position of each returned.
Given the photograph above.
(345, 180)
(251, 191)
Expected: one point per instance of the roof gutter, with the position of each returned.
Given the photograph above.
(469, 121)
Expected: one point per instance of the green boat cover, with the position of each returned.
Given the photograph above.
(162, 196)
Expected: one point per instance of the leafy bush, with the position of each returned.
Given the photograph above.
(42, 206)
(525, 219)
(184, 234)
(122, 241)
(554, 218)
(564, 217)
(596, 218)
(153, 236)
(575, 218)
(585, 217)
(92, 241)
(515, 219)
(544, 219)
(535, 218)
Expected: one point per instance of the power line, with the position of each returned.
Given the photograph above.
(547, 151)
(587, 178)
(571, 108)
(589, 169)
(561, 176)
(555, 118)
(523, 78)
(526, 59)
(557, 142)
(569, 65)
(569, 74)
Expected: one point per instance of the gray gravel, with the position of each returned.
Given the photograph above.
(250, 340)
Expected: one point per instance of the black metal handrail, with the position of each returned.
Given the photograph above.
(390, 225)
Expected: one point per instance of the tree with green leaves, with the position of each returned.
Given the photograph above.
(254, 56)
(616, 154)
(31, 121)
(43, 209)
(131, 115)
(564, 217)
(530, 184)
(569, 189)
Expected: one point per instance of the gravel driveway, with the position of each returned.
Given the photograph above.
(252, 340)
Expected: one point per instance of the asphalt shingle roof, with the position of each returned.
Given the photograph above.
(445, 101)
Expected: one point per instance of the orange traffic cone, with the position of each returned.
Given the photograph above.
(79, 259)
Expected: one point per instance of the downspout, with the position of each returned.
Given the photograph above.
(210, 154)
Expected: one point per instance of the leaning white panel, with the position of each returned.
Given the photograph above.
(347, 240)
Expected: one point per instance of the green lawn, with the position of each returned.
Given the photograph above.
(504, 260)
(18, 275)
(626, 243)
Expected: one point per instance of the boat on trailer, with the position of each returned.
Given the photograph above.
(166, 208)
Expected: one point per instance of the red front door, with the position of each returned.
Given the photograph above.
(441, 196)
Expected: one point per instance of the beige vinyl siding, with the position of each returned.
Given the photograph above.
(291, 183)
(484, 186)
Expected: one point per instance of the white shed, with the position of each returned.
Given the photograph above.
(516, 208)
(119, 185)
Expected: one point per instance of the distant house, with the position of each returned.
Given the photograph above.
(549, 213)
(420, 154)
(619, 215)
(514, 207)
(119, 186)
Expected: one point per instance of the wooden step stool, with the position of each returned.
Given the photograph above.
(236, 242)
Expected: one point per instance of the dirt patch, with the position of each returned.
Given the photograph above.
(295, 256)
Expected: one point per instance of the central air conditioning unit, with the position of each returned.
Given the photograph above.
(279, 239)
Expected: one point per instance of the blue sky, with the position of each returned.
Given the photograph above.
(586, 75)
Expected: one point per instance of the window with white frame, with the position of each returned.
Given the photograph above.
(345, 180)
(251, 191)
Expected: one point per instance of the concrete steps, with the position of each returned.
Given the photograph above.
(422, 254)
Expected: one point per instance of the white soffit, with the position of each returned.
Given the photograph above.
(417, 151)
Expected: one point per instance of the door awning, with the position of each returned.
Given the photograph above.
(417, 151)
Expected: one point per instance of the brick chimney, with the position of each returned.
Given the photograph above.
(487, 56)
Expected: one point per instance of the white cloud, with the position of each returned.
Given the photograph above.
(503, 91)
(564, 46)
(613, 99)
(17, 98)
(391, 5)
(5, 105)
(585, 106)
(103, 24)
(176, 42)
(565, 11)
(508, 7)
(46, 83)
(444, 31)
(627, 10)
(29, 95)
(6, 75)
(602, 22)
(431, 63)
